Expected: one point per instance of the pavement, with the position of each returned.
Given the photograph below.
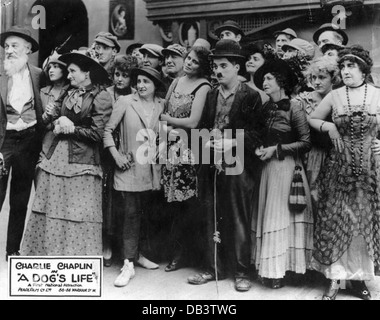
(157, 285)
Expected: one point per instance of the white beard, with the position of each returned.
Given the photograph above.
(13, 66)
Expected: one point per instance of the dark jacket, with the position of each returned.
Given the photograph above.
(86, 142)
(246, 113)
(36, 76)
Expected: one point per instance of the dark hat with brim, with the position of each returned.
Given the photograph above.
(331, 46)
(18, 31)
(134, 46)
(330, 27)
(149, 72)
(227, 49)
(275, 66)
(230, 25)
(98, 74)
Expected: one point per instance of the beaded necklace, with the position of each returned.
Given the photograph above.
(355, 170)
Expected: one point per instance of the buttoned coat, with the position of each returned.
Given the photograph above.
(129, 113)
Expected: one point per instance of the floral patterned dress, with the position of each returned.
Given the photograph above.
(179, 177)
(347, 227)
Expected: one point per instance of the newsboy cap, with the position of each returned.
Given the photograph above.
(107, 39)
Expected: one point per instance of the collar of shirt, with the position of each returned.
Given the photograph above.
(228, 94)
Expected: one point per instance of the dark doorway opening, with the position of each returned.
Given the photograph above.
(65, 19)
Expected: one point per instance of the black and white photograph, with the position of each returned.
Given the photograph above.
(201, 153)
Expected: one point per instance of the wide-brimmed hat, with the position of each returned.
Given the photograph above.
(133, 46)
(301, 45)
(229, 25)
(20, 32)
(80, 58)
(330, 27)
(153, 49)
(174, 49)
(227, 49)
(108, 39)
(149, 72)
(275, 66)
(287, 31)
(331, 46)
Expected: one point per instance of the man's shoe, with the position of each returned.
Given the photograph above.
(127, 273)
(201, 278)
(242, 284)
(13, 254)
(147, 264)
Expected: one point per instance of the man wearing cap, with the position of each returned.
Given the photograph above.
(174, 58)
(20, 127)
(298, 46)
(330, 33)
(283, 37)
(230, 107)
(106, 48)
(230, 30)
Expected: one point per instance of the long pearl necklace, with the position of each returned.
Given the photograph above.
(357, 171)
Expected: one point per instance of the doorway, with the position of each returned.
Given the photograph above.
(66, 27)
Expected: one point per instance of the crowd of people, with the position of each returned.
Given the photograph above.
(293, 184)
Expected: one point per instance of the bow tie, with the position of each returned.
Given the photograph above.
(75, 99)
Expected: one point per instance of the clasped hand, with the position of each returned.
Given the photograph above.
(64, 126)
(265, 153)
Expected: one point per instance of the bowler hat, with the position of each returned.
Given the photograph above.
(229, 25)
(330, 27)
(20, 32)
(153, 49)
(275, 66)
(134, 46)
(287, 31)
(174, 49)
(227, 49)
(301, 45)
(149, 72)
(98, 74)
(107, 39)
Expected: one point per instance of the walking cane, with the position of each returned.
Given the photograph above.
(217, 238)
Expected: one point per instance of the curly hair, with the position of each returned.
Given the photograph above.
(283, 83)
(326, 65)
(204, 62)
(363, 58)
(124, 63)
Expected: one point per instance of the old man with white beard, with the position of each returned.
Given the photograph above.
(20, 128)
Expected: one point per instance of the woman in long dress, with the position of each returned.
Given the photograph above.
(66, 218)
(284, 237)
(185, 101)
(347, 227)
